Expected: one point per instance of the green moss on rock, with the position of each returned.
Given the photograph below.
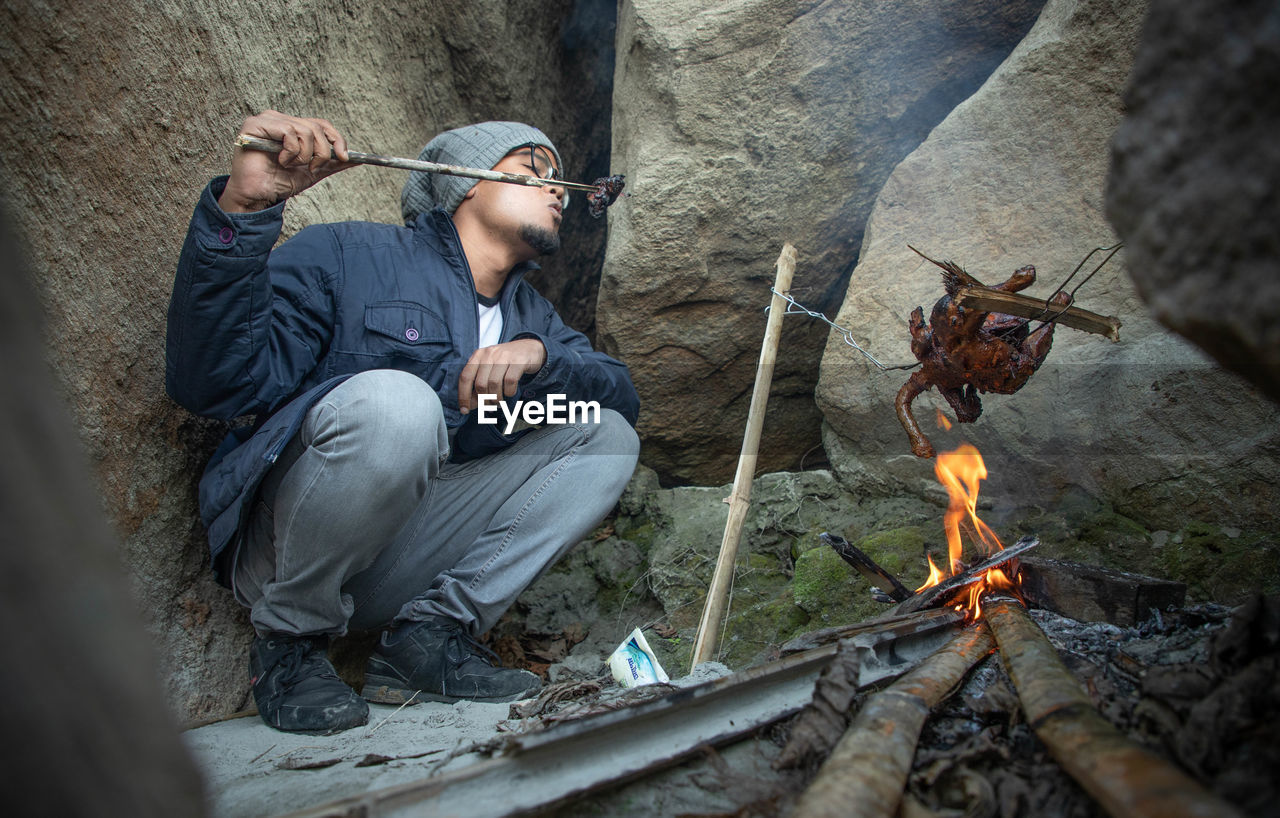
(830, 591)
(1221, 565)
(754, 632)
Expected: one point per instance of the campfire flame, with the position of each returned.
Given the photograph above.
(935, 575)
(960, 472)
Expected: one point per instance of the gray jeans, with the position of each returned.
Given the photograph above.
(362, 521)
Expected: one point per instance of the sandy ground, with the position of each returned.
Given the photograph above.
(251, 769)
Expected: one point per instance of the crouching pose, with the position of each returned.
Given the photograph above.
(362, 487)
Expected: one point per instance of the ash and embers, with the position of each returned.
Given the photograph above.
(1198, 686)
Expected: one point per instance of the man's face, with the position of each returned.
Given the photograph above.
(531, 214)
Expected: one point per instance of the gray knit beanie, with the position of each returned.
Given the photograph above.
(473, 146)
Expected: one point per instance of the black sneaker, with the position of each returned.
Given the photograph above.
(296, 688)
(438, 661)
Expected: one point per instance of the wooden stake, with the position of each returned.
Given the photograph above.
(865, 774)
(1125, 778)
(740, 498)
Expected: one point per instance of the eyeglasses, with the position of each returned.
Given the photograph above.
(544, 168)
(540, 161)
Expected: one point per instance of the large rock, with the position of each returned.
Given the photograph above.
(1015, 176)
(117, 115)
(1195, 169)
(741, 127)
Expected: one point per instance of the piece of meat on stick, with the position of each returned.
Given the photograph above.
(608, 189)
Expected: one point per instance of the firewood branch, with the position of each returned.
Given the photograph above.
(1126, 779)
(943, 591)
(866, 566)
(864, 776)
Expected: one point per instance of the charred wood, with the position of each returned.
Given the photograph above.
(823, 721)
(942, 593)
(1125, 778)
(1089, 593)
(866, 566)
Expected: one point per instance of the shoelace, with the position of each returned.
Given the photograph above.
(469, 646)
(300, 655)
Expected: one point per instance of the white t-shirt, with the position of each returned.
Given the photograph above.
(490, 315)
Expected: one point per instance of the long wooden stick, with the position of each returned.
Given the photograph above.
(865, 774)
(257, 143)
(740, 498)
(1126, 779)
(1024, 306)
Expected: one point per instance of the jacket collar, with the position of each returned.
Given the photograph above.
(436, 230)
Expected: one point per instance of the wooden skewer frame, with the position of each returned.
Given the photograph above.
(987, 299)
(1125, 778)
(704, 646)
(257, 143)
(867, 771)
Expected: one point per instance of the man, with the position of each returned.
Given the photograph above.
(371, 491)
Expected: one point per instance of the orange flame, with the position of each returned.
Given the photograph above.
(943, 423)
(960, 472)
(935, 575)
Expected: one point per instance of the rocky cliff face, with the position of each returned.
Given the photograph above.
(741, 127)
(1016, 175)
(117, 116)
(1193, 183)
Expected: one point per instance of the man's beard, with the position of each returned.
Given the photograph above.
(543, 241)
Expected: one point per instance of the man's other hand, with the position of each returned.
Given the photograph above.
(313, 149)
(497, 370)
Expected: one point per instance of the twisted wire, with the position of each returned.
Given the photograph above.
(796, 308)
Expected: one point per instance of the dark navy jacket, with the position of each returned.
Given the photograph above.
(263, 332)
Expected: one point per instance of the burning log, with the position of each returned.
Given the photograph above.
(866, 773)
(941, 593)
(866, 566)
(1126, 779)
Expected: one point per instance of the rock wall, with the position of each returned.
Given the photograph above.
(117, 115)
(741, 127)
(1016, 175)
(1195, 168)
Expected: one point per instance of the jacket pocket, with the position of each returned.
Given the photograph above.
(404, 328)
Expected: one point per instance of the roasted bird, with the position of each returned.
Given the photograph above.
(967, 351)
